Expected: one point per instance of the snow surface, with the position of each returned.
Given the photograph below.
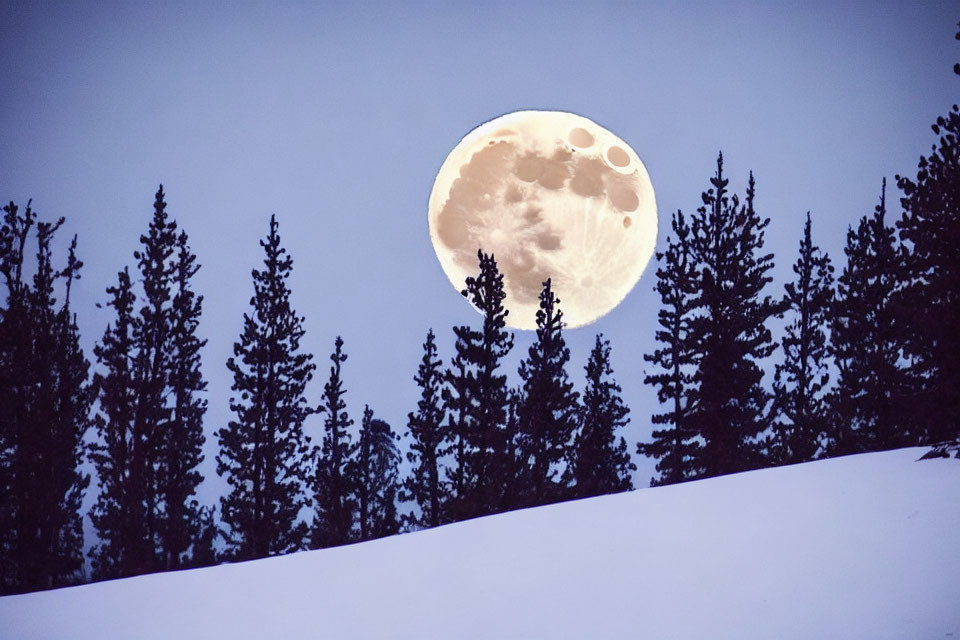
(866, 546)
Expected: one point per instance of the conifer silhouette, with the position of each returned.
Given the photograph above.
(182, 439)
(928, 303)
(426, 484)
(264, 452)
(547, 411)
(730, 332)
(377, 478)
(150, 421)
(117, 514)
(869, 399)
(600, 463)
(44, 411)
(678, 285)
(477, 398)
(800, 399)
(335, 491)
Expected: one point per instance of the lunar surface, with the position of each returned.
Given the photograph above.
(551, 195)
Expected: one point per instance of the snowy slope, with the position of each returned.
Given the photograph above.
(861, 547)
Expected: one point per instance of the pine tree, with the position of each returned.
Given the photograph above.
(335, 483)
(122, 534)
(800, 400)
(264, 452)
(477, 398)
(68, 403)
(457, 395)
(600, 463)
(44, 413)
(182, 440)
(869, 399)
(377, 478)
(547, 412)
(11, 330)
(678, 284)
(150, 421)
(928, 306)
(152, 362)
(425, 484)
(69, 421)
(730, 332)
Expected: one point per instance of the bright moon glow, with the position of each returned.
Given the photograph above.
(551, 195)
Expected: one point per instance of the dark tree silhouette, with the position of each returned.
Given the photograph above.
(457, 395)
(150, 420)
(425, 485)
(730, 332)
(151, 369)
(335, 485)
(182, 440)
(800, 399)
(264, 452)
(678, 285)
(547, 410)
(477, 398)
(118, 512)
(377, 478)
(869, 398)
(928, 307)
(600, 463)
(44, 413)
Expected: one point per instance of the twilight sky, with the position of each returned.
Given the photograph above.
(336, 117)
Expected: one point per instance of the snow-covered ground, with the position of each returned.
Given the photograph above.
(866, 546)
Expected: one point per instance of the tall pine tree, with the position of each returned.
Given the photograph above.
(264, 451)
(124, 543)
(547, 411)
(377, 478)
(457, 395)
(600, 463)
(730, 333)
(44, 412)
(150, 421)
(477, 398)
(928, 306)
(678, 285)
(799, 385)
(182, 440)
(426, 485)
(335, 492)
(869, 401)
(151, 371)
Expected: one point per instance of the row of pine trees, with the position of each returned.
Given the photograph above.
(868, 362)
(476, 446)
(868, 359)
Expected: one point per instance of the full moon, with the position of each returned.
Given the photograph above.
(551, 195)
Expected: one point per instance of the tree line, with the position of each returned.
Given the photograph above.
(868, 361)
(476, 446)
(868, 357)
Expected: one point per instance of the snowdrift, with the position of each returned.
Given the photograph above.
(866, 546)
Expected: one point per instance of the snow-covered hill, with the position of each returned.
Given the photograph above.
(861, 547)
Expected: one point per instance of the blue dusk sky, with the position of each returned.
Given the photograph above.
(336, 117)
